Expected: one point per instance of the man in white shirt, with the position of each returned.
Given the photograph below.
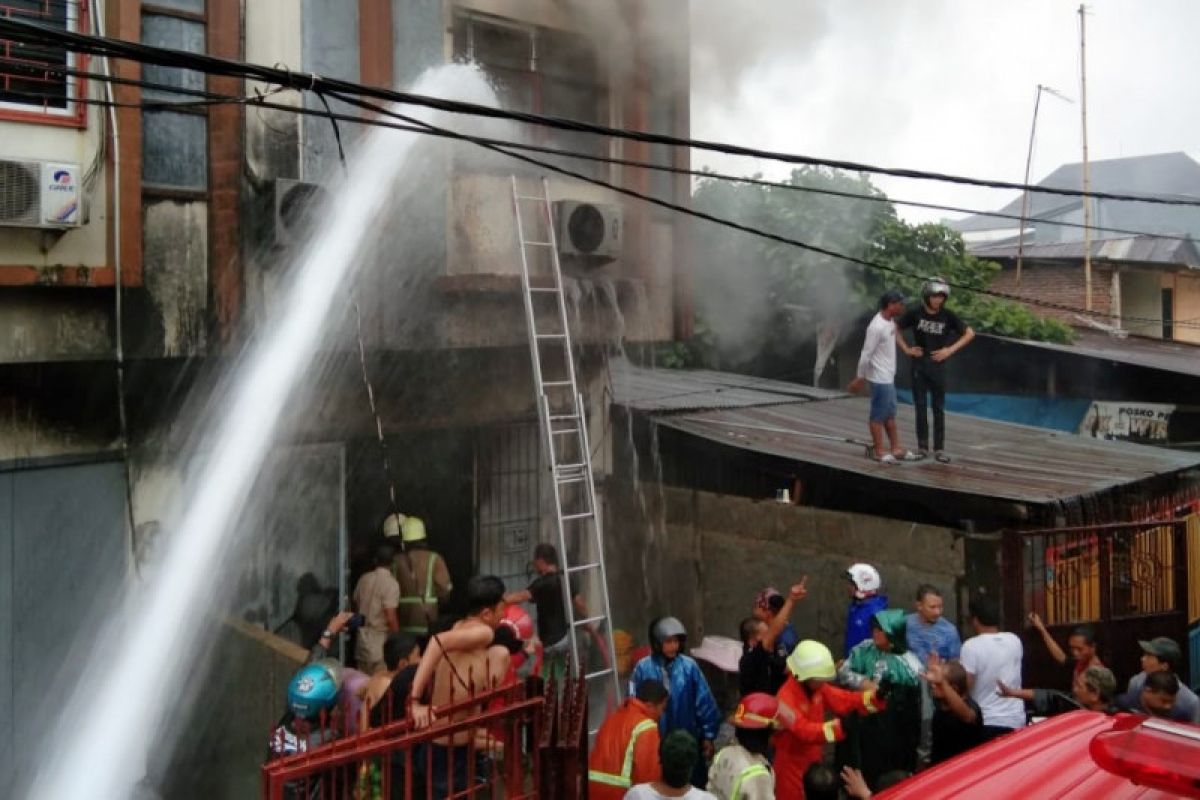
(877, 368)
(992, 657)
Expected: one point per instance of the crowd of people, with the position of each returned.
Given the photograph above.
(907, 693)
(904, 692)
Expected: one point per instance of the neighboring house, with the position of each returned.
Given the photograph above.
(1144, 282)
(193, 205)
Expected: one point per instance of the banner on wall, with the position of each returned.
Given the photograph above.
(1136, 421)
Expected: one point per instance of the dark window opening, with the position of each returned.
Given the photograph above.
(1168, 313)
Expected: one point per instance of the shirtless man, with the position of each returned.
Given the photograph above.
(460, 662)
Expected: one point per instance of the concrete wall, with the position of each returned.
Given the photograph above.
(1141, 297)
(702, 557)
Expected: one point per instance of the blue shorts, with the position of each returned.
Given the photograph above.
(883, 401)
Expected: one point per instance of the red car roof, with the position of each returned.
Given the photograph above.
(1049, 759)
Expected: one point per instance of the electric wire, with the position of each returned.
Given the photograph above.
(500, 146)
(143, 53)
(218, 99)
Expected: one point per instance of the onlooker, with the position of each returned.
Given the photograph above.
(422, 574)
(460, 663)
(742, 771)
(1093, 689)
(927, 633)
(1161, 654)
(770, 606)
(821, 783)
(387, 691)
(627, 744)
(855, 783)
(886, 741)
(866, 599)
(546, 592)
(1159, 694)
(805, 697)
(1081, 643)
(678, 754)
(762, 665)
(992, 657)
(691, 706)
(938, 334)
(957, 724)
(877, 367)
(376, 596)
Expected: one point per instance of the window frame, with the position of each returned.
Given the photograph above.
(75, 114)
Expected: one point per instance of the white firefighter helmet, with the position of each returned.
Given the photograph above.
(866, 580)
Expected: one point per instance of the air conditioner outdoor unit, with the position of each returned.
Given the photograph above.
(588, 232)
(293, 204)
(40, 194)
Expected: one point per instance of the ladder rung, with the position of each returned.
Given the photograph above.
(598, 673)
(590, 620)
(573, 517)
(531, 243)
(550, 335)
(556, 383)
(543, 288)
(582, 567)
(561, 418)
(564, 431)
(575, 479)
(569, 467)
(530, 197)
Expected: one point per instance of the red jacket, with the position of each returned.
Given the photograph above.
(609, 776)
(803, 744)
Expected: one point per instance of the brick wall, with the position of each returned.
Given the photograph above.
(1058, 283)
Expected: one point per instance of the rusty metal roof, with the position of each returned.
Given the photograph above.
(1177, 357)
(991, 459)
(1136, 249)
(664, 390)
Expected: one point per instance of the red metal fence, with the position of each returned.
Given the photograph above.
(1129, 581)
(514, 742)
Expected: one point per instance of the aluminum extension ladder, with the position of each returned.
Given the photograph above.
(563, 423)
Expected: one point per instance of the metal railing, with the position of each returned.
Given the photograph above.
(514, 742)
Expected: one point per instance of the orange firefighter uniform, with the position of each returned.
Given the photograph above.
(626, 752)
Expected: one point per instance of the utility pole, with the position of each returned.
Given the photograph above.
(1037, 101)
(1087, 184)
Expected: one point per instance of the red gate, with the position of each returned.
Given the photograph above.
(515, 742)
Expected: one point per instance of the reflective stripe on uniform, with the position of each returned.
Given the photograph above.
(430, 594)
(749, 772)
(830, 729)
(625, 779)
(868, 696)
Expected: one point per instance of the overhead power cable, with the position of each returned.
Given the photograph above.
(414, 125)
(117, 48)
(212, 98)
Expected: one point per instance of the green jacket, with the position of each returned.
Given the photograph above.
(868, 662)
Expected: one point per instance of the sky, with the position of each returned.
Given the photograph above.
(942, 85)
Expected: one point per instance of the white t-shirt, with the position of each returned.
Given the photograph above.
(993, 657)
(644, 791)
(878, 360)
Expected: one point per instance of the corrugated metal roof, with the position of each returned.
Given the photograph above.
(1139, 249)
(1183, 359)
(991, 459)
(658, 390)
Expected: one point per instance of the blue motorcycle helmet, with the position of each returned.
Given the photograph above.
(314, 688)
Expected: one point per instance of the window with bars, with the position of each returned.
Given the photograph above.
(541, 71)
(32, 77)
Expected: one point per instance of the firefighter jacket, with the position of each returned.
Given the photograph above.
(691, 707)
(738, 774)
(625, 754)
(802, 744)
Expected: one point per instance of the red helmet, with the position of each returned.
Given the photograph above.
(519, 620)
(756, 710)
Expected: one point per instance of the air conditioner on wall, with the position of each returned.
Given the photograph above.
(40, 194)
(292, 205)
(588, 232)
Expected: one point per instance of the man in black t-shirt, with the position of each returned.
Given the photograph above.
(546, 592)
(957, 722)
(938, 333)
